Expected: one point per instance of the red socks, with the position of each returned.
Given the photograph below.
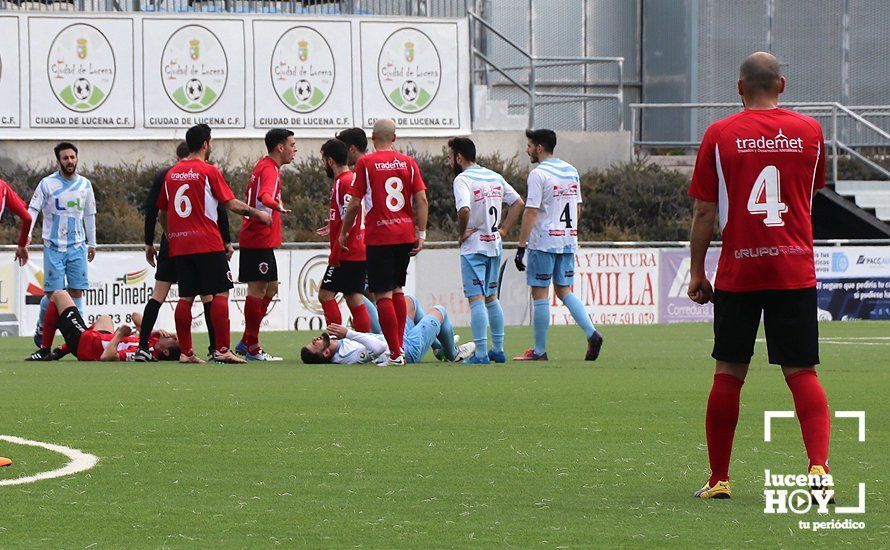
(266, 301)
(361, 321)
(812, 412)
(219, 315)
(720, 423)
(183, 318)
(253, 317)
(398, 303)
(332, 312)
(390, 326)
(50, 323)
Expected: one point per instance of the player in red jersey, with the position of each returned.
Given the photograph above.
(396, 208)
(187, 210)
(258, 241)
(346, 268)
(100, 341)
(759, 168)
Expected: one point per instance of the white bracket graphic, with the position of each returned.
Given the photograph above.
(854, 414)
(768, 422)
(860, 509)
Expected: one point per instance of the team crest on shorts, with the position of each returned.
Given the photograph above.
(264, 268)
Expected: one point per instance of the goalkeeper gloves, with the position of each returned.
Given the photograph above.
(520, 254)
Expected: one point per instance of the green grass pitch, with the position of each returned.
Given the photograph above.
(564, 454)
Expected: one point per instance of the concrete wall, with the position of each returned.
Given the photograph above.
(583, 149)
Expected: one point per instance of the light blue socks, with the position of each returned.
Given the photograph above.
(479, 326)
(372, 313)
(496, 325)
(541, 320)
(579, 313)
(446, 335)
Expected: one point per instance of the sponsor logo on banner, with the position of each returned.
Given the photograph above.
(409, 70)
(194, 68)
(81, 67)
(302, 69)
(309, 282)
(839, 262)
(674, 304)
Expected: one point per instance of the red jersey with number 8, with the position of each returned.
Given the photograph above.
(762, 168)
(192, 192)
(387, 181)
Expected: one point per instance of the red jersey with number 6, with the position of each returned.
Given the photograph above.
(762, 167)
(263, 193)
(387, 181)
(192, 192)
(356, 240)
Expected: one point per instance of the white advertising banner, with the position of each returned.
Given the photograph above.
(80, 73)
(193, 73)
(411, 73)
(10, 75)
(302, 74)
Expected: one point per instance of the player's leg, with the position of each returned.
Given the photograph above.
(253, 317)
(150, 317)
(327, 297)
(67, 320)
(381, 281)
(432, 327)
(563, 278)
(216, 282)
(493, 310)
(371, 307)
(76, 275)
(351, 282)
(188, 278)
(48, 326)
(402, 259)
(472, 269)
(539, 274)
(103, 323)
(361, 319)
(53, 279)
(736, 320)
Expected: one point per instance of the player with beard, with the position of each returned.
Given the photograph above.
(258, 241)
(68, 205)
(346, 268)
(188, 210)
(165, 273)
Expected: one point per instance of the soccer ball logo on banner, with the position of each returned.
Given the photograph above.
(79, 50)
(302, 69)
(409, 70)
(194, 68)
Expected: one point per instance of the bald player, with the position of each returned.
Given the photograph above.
(759, 169)
(395, 205)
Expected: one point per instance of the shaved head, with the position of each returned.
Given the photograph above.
(760, 74)
(384, 130)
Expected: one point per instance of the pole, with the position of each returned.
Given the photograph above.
(531, 64)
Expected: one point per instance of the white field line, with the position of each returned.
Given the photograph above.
(851, 341)
(80, 461)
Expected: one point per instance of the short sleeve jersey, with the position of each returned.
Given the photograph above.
(554, 189)
(264, 182)
(483, 192)
(64, 203)
(192, 192)
(355, 242)
(762, 168)
(386, 181)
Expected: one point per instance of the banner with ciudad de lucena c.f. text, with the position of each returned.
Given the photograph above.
(140, 76)
(617, 286)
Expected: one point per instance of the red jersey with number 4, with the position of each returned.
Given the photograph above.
(191, 195)
(263, 190)
(762, 167)
(356, 241)
(386, 181)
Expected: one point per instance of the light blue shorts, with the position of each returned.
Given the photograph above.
(420, 337)
(480, 274)
(549, 267)
(66, 269)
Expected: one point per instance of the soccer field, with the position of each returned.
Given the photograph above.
(558, 454)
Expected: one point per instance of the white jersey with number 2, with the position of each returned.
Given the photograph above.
(554, 189)
(483, 191)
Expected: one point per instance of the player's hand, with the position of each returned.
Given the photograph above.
(520, 254)
(418, 246)
(230, 251)
(323, 231)
(467, 234)
(341, 240)
(264, 218)
(150, 255)
(91, 253)
(124, 330)
(337, 330)
(282, 209)
(21, 255)
(700, 290)
(164, 334)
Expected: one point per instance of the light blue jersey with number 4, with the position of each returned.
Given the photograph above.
(554, 189)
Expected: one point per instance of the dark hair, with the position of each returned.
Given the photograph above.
(62, 146)
(335, 150)
(173, 353)
(197, 136)
(354, 136)
(544, 138)
(310, 357)
(182, 150)
(276, 136)
(463, 146)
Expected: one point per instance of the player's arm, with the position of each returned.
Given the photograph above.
(89, 220)
(267, 188)
(110, 352)
(241, 208)
(162, 219)
(19, 209)
(137, 320)
(349, 215)
(35, 206)
(705, 213)
(513, 212)
(151, 217)
(421, 215)
(375, 346)
(222, 222)
(463, 220)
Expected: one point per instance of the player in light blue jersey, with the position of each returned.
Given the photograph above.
(68, 206)
(550, 232)
(479, 194)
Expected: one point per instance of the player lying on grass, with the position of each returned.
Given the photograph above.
(100, 341)
(343, 346)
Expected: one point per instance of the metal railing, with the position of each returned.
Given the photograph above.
(421, 8)
(529, 84)
(848, 128)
